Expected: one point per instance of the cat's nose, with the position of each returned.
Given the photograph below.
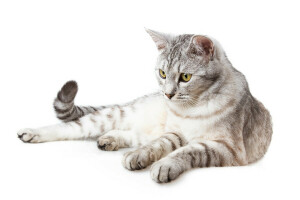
(169, 95)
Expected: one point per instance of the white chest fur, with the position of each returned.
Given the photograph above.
(188, 127)
(154, 117)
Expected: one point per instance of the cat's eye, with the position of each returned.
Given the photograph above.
(185, 77)
(162, 74)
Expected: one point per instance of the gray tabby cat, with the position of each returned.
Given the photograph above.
(204, 116)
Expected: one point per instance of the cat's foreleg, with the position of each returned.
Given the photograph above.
(198, 153)
(155, 150)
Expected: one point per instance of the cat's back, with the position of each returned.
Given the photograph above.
(256, 122)
(257, 131)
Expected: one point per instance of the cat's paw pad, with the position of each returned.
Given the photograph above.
(107, 143)
(165, 170)
(138, 159)
(28, 135)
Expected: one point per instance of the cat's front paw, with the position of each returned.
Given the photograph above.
(138, 159)
(28, 135)
(107, 143)
(165, 170)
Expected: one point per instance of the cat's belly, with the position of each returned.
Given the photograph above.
(150, 117)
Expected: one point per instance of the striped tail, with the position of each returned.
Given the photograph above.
(64, 104)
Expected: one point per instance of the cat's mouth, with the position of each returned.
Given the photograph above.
(178, 98)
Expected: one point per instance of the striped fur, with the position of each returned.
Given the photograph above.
(155, 150)
(210, 121)
(64, 104)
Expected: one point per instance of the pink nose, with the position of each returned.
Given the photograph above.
(169, 95)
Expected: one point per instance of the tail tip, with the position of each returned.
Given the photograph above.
(68, 91)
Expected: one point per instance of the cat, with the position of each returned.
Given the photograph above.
(203, 116)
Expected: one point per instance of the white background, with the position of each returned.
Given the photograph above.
(104, 47)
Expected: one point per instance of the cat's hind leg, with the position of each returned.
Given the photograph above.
(115, 139)
(62, 131)
(90, 126)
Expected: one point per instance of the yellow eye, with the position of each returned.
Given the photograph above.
(185, 77)
(162, 74)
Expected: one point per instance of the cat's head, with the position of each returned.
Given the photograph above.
(187, 65)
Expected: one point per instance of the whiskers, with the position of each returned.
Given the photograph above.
(182, 96)
(187, 100)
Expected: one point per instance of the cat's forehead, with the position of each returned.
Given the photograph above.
(175, 58)
(179, 43)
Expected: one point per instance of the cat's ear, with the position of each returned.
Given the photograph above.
(160, 39)
(202, 46)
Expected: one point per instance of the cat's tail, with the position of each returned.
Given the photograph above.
(64, 103)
